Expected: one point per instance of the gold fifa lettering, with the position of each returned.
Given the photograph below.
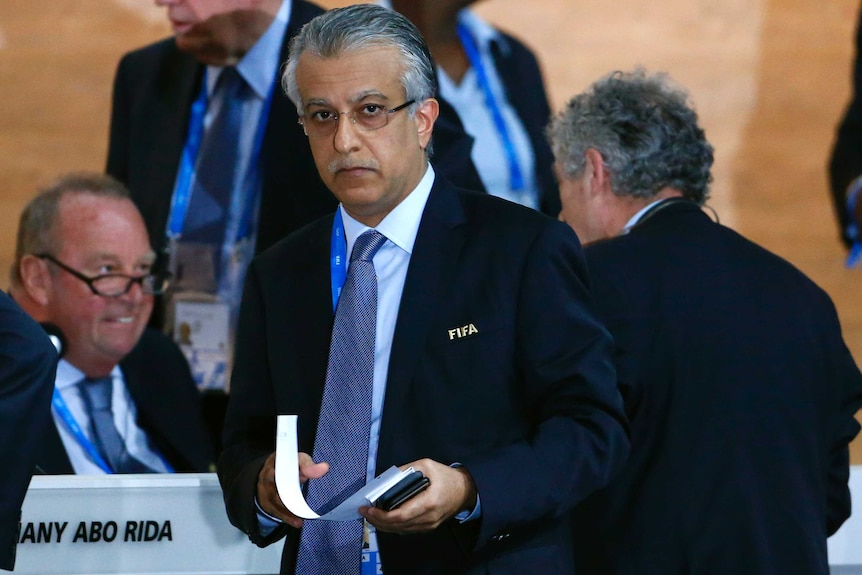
(462, 331)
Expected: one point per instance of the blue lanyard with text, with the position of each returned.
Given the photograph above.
(63, 411)
(67, 417)
(337, 258)
(183, 189)
(516, 178)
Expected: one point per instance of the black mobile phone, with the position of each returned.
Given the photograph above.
(407, 487)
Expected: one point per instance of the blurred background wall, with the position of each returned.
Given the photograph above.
(769, 78)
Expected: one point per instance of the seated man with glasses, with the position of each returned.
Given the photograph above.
(124, 399)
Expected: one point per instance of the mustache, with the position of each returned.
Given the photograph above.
(348, 164)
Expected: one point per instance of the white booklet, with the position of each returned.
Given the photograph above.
(290, 490)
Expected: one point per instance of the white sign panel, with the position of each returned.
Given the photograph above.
(134, 524)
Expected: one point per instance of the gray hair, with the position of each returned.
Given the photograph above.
(36, 233)
(645, 130)
(357, 27)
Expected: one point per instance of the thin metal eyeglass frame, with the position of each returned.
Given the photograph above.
(148, 290)
(351, 115)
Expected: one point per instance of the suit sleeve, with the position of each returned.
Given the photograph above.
(249, 429)
(580, 436)
(28, 363)
(117, 164)
(846, 381)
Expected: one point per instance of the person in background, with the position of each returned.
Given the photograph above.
(845, 164)
(218, 165)
(28, 362)
(739, 387)
(495, 84)
(124, 400)
(460, 340)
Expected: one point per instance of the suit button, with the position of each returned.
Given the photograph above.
(501, 536)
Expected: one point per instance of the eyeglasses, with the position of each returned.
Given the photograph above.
(115, 285)
(367, 117)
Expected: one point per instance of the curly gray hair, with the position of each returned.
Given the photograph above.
(645, 130)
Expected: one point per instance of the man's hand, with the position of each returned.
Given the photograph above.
(451, 491)
(267, 495)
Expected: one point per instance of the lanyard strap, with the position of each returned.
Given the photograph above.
(853, 228)
(471, 48)
(66, 415)
(337, 258)
(183, 189)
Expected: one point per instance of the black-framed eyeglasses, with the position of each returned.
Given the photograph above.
(366, 116)
(115, 285)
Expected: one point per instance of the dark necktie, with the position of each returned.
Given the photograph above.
(216, 164)
(97, 399)
(344, 425)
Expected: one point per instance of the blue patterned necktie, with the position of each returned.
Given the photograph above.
(97, 399)
(344, 425)
(215, 170)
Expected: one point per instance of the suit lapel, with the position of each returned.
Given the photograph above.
(177, 85)
(432, 264)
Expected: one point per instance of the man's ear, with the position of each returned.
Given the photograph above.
(36, 278)
(425, 116)
(594, 166)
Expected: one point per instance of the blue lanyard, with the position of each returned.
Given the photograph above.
(853, 231)
(337, 258)
(63, 411)
(183, 188)
(67, 417)
(516, 178)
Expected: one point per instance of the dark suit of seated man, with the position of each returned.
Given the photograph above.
(27, 365)
(739, 387)
(124, 399)
(465, 346)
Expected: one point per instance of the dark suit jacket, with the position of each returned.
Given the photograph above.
(28, 362)
(522, 80)
(741, 395)
(529, 404)
(846, 161)
(153, 92)
(168, 406)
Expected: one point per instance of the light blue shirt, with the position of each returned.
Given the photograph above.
(125, 414)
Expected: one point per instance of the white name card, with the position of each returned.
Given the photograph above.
(134, 524)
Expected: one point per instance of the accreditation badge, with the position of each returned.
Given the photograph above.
(201, 329)
(370, 554)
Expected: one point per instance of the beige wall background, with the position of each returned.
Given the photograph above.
(769, 78)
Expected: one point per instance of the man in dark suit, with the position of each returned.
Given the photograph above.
(739, 387)
(27, 365)
(83, 264)
(487, 369)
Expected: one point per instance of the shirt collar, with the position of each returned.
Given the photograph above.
(482, 32)
(69, 375)
(401, 225)
(256, 66)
